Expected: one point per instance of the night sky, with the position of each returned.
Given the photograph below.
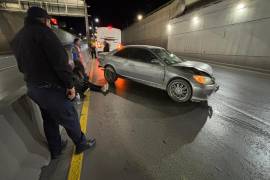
(117, 13)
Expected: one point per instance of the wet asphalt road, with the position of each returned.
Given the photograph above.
(142, 134)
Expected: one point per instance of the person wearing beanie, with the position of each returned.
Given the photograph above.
(44, 63)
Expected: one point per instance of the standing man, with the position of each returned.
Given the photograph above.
(93, 49)
(44, 63)
(106, 46)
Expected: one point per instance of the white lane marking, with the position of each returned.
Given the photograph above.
(9, 67)
(246, 113)
(5, 57)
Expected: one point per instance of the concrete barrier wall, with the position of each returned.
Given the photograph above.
(23, 147)
(152, 29)
(11, 23)
(230, 32)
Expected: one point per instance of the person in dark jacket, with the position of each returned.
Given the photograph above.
(93, 50)
(44, 62)
(106, 47)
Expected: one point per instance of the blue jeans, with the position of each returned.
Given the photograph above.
(57, 110)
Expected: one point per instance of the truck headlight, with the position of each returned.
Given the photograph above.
(203, 79)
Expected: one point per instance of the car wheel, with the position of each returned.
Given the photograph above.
(110, 74)
(179, 90)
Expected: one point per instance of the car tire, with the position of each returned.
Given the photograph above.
(110, 74)
(179, 90)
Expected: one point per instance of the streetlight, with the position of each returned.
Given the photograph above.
(195, 20)
(96, 20)
(169, 27)
(241, 5)
(140, 17)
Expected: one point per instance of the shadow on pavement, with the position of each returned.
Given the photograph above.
(154, 98)
(171, 124)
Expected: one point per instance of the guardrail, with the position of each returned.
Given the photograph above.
(53, 8)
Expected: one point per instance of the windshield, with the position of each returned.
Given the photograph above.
(167, 56)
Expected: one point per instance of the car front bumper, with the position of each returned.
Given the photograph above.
(202, 92)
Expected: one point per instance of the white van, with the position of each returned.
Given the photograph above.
(109, 34)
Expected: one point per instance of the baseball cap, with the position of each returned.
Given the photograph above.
(37, 12)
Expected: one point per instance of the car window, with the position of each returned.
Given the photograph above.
(141, 55)
(123, 53)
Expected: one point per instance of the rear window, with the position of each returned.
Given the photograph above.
(123, 53)
(142, 55)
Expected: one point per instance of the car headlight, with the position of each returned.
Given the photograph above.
(203, 79)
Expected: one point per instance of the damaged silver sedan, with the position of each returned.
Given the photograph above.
(155, 66)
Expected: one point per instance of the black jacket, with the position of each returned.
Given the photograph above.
(41, 56)
(106, 47)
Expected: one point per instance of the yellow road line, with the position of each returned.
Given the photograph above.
(76, 161)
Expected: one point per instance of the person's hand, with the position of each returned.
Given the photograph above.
(71, 93)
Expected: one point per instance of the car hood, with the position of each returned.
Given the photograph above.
(197, 65)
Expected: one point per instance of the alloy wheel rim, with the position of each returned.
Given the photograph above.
(179, 90)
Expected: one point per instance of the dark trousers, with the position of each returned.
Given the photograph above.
(93, 87)
(57, 110)
(82, 85)
(93, 53)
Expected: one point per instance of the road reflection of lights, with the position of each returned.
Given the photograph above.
(120, 86)
(96, 75)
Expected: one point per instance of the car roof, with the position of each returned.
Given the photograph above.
(144, 46)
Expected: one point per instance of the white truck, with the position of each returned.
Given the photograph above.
(109, 34)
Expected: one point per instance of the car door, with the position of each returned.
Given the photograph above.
(120, 61)
(142, 67)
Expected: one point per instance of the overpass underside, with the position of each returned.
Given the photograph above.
(12, 13)
(72, 8)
